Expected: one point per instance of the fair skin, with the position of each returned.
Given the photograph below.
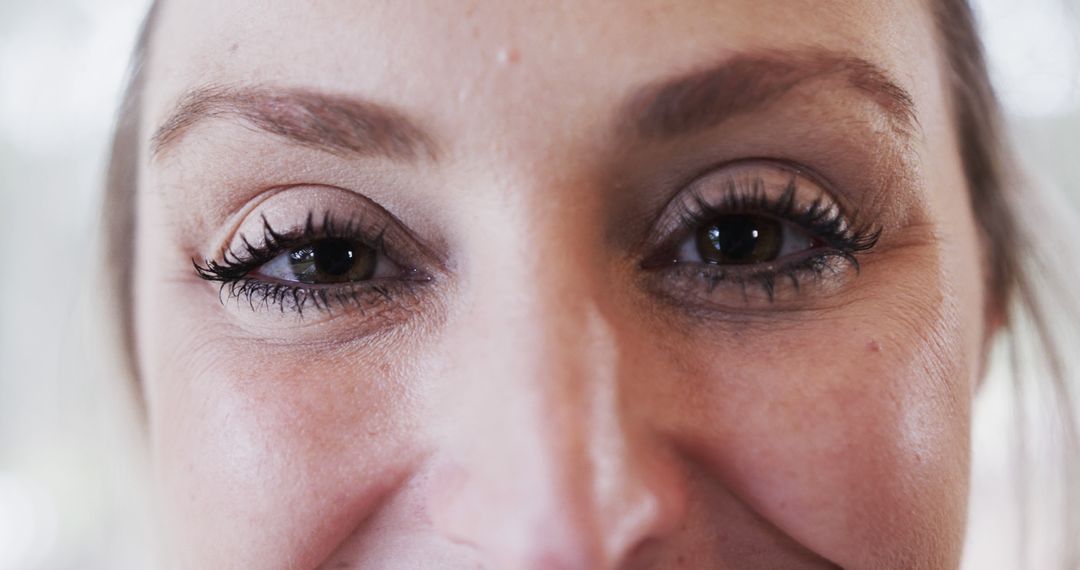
(540, 384)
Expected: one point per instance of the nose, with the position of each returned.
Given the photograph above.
(544, 461)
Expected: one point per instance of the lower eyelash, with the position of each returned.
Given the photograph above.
(233, 272)
(259, 294)
(813, 266)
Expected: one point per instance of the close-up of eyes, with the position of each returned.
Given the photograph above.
(323, 265)
(748, 225)
(758, 225)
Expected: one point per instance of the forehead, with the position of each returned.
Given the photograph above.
(442, 59)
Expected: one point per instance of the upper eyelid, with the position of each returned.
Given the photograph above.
(656, 237)
(237, 266)
(277, 242)
(234, 268)
(310, 231)
(343, 205)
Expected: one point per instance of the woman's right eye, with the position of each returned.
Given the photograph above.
(321, 265)
(329, 261)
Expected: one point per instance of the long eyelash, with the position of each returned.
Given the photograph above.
(823, 219)
(234, 268)
(265, 295)
(235, 265)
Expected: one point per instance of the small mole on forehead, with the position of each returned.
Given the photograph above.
(508, 55)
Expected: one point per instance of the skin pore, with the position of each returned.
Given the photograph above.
(538, 374)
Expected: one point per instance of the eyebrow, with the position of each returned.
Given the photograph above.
(749, 82)
(340, 125)
(668, 108)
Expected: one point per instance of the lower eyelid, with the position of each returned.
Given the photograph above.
(373, 298)
(714, 287)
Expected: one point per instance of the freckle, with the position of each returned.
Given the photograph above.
(508, 55)
(873, 346)
(234, 47)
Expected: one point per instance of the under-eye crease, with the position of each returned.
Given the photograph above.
(320, 265)
(759, 226)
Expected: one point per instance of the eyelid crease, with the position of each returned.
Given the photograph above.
(366, 216)
(236, 265)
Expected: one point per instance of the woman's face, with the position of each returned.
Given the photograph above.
(556, 285)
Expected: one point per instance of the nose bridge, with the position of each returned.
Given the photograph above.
(536, 309)
(551, 351)
(541, 467)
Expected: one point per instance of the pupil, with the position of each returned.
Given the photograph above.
(334, 257)
(735, 240)
(333, 261)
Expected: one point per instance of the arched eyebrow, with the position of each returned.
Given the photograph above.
(749, 82)
(668, 108)
(332, 123)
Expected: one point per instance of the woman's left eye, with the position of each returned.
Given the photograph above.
(743, 239)
(327, 262)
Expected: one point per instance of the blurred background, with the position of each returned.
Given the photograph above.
(69, 487)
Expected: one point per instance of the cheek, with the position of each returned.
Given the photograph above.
(268, 454)
(849, 434)
(264, 452)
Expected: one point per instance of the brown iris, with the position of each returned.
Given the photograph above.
(740, 240)
(332, 261)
